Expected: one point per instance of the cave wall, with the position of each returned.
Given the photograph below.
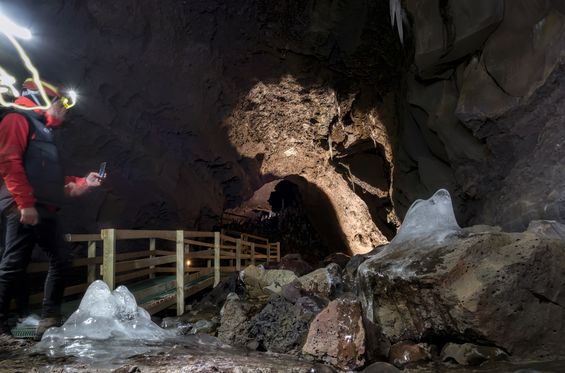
(483, 110)
(197, 104)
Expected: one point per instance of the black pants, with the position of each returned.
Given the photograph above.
(19, 243)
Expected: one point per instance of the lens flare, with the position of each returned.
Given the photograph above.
(7, 80)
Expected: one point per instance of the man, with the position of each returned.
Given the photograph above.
(32, 188)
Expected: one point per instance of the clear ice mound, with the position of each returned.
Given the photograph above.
(103, 315)
(427, 223)
(432, 219)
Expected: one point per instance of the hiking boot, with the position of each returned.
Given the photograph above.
(44, 324)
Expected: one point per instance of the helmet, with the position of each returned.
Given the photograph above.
(30, 90)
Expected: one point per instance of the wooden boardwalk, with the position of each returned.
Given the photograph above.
(162, 268)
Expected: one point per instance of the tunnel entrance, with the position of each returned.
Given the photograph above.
(286, 194)
(296, 213)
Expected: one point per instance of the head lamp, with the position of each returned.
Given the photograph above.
(70, 101)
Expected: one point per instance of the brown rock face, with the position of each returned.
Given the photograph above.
(337, 335)
(491, 288)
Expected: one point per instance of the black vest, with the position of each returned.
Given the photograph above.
(41, 163)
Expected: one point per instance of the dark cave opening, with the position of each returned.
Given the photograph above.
(297, 214)
(286, 194)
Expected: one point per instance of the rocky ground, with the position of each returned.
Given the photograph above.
(475, 300)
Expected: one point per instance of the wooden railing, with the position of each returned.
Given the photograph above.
(197, 259)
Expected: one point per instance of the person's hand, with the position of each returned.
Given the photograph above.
(94, 180)
(29, 215)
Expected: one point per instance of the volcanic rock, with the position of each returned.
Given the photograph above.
(295, 263)
(256, 281)
(470, 354)
(325, 282)
(498, 288)
(282, 326)
(405, 353)
(337, 335)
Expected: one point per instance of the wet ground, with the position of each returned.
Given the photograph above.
(180, 355)
(201, 355)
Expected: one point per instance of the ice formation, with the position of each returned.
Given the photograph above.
(428, 221)
(111, 317)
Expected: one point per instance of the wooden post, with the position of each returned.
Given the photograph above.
(91, 276)
(216, 258)
(180, 272)
(252, 253)
(278, 246)
(152, 247)
(268, 252)
(238, 254)
(109, 258)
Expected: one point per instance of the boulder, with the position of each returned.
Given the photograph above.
(547, 229)
(257, 279)
(341, 259)
(236, 321)
(337, 335)
(203, 327)
(381, 367)
(350, 272)
(325, 282)
(501, 289)
(404, 353)
(229, 284)
(295, 263)
(470, 354)
(282, 326)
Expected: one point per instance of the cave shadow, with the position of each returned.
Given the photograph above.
(346, 46)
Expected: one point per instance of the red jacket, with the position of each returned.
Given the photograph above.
(14, 132)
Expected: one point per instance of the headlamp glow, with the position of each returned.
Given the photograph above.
(69, 102)
(7, 81)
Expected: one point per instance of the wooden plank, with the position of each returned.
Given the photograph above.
(201, 270)
(160, 305)
(134, 234)
(91, 272)
(152, 248)
(203, 254)
(109, 237)
(228, 269)
(165, 303)
(216, 258)
(258, 238)
(143, 263)
(238, 254)
(197, 234)
(229, 239)
(155, 289)
(199, 243)
(69, 290)
(252, 254)
(80, 262)
(130, 276)
(180, 272)
(165, 269)
(278, 248)
(261, 246)
(82, 237)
